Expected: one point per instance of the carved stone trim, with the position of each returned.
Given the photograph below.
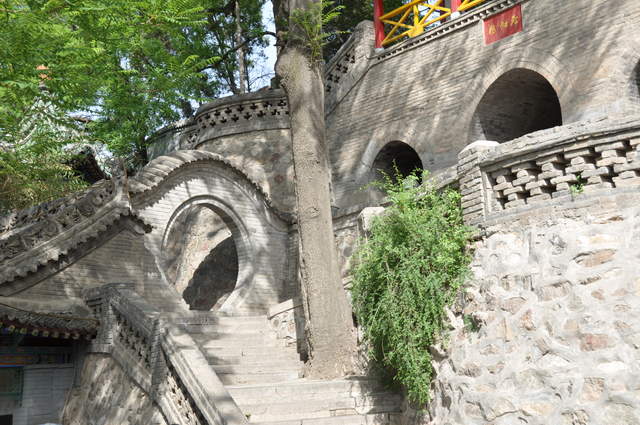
(164, 166)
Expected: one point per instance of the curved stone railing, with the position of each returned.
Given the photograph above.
(592, 158)
(160, 358)
(348, 65)
(262, 110)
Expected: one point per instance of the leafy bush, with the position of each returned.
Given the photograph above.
(406, 273)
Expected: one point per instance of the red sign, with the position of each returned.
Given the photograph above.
(503, 25)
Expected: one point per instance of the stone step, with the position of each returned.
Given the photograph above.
(267, 351)
(329, 405)
(304, 388)
(255, 344)
(259, 368)
(258, 378)
(249, 338)
(236, 357)
(241, 328)
(375, 419)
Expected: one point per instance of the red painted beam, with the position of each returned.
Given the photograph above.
(378, 11)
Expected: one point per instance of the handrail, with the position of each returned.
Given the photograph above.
(419, 12)
(160, 357)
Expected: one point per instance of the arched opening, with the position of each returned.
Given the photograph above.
(394, 158)
(521, 101)
(201, 257)
(395, 155)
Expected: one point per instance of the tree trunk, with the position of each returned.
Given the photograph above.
(240, 52)
(329, 322)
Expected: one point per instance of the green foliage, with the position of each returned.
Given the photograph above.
(128, 67)
(310, 24)
(35, 174)
(406, 273)
(131, 66)
(471, 324)
(578, 187)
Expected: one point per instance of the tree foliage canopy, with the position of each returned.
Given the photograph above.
(128, 66)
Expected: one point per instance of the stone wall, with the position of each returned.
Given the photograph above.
(426, 91)
(547, 330)
(556, 302)
(106, 395)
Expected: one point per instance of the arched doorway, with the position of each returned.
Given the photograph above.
(201, 257)
(394, 158)
(395, 155)
(519, 102)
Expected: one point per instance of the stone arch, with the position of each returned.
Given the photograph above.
(199, 179)
(203, 251)
(518, 102)
(398, 155)
(393, 155)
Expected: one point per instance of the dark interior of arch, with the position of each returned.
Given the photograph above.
(396, 155)
(636, 80)
(201, 258)
(521, 101)
(215, 278)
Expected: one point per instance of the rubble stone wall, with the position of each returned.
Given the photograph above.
(557, 303)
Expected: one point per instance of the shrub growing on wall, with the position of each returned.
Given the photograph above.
(406, 274)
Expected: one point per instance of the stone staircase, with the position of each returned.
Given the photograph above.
(263, 375)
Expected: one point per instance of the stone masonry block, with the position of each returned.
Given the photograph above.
(594, 185)
(517, 189)
(611, 146)
(626, 182)
(628, 175)
(580, 168)
(550, 174)
(612, 153)
(564, 179)
(611, 161)
(550, 160)
(632, 166)
(503, 186)
(594, 180)
(523, 180)
(578, 160)
(578, 152)
(536, 184)
(601, 171)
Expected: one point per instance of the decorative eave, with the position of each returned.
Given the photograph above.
(40, 236)
(164, 166)
(52, 325)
